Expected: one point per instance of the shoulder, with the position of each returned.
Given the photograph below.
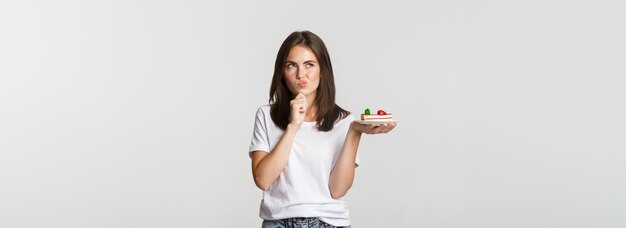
(348, 118)
(263, 110)
(345, 121)
(263, 114)
(265, 107)
(344, 115)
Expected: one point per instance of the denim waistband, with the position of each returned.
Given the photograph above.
(298, 223)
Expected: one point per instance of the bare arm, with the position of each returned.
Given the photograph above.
(342, 176)
(266, 167)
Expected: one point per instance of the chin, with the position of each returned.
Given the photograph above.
(296, 91)
(304, 91)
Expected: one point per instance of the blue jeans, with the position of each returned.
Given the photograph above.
(298, 223)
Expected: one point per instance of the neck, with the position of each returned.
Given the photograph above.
(311, 113)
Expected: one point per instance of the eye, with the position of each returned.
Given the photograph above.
(309, 65)
(291, 65)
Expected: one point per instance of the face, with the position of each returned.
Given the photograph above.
(302, 71)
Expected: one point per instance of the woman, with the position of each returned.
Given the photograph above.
(304, 146)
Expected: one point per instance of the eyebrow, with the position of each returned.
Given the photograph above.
(308, 61)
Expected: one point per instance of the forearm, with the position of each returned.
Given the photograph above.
(342, 175)
(270, 167)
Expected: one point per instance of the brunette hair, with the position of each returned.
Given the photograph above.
(328, 113)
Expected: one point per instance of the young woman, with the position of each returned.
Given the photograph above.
(304, 146)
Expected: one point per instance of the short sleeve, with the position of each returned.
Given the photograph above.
(260, 139)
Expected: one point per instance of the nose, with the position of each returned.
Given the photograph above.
(300, 74)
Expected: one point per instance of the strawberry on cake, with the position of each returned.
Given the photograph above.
(380, 116)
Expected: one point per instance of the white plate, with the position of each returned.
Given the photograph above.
(375, 122)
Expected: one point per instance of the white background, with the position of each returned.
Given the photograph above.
(140, 113)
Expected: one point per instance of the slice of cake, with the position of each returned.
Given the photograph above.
(380, 116)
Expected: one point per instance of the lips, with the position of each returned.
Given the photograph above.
(302, 84)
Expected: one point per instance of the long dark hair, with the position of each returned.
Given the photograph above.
(328, 113)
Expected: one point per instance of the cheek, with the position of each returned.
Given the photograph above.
(289, 76)
(317, 76)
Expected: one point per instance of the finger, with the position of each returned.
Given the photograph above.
(297, 102)
(303, 100)
(300, 106)
(384, 128)
(389, 128)
(371, 129)
(300, 96)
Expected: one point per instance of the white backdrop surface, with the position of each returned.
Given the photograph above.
(139, 113)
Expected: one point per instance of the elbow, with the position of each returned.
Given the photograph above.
(339, 189)
(263, 185)
(337, 193)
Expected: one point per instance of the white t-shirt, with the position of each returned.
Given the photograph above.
(301, 190)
